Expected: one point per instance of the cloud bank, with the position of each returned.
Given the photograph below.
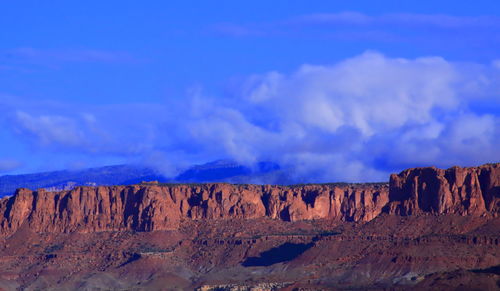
(356, 120)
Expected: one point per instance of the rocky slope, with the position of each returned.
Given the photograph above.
(149, 206)
(427, 229)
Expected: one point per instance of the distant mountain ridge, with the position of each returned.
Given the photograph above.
(217, 171)
(230, 171)
(60, 180)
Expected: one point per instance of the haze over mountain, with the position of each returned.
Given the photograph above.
(330, 91)
(217, 171)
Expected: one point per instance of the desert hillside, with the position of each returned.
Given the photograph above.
(425, 224)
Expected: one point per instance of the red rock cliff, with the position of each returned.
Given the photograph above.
(145, 207)
(464, 191)
(154, 207)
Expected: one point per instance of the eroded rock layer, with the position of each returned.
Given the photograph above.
(147, 207)
(463, 191)
(162, 207)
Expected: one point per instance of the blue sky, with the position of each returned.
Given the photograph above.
(331, 90)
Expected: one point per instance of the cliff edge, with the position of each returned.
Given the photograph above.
(463, 191)
(148, 207)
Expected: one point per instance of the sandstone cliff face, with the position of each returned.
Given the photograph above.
(146, 207)
(463, 191)
(154, 207)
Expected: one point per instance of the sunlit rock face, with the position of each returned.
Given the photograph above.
(419, 229)
(149, 206)
(463, 191)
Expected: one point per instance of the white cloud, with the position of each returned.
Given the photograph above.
(369, 92)
(356, 120)
(49, 129)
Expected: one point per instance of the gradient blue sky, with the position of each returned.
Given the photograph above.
(331, 90)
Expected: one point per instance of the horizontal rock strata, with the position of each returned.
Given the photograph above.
(162, 207)
(147, 207)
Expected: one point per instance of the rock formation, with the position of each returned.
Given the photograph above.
(428, 229)
(149, 206)
(463, 191)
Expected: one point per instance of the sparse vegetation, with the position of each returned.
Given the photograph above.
(53, 248)
(148, 248)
